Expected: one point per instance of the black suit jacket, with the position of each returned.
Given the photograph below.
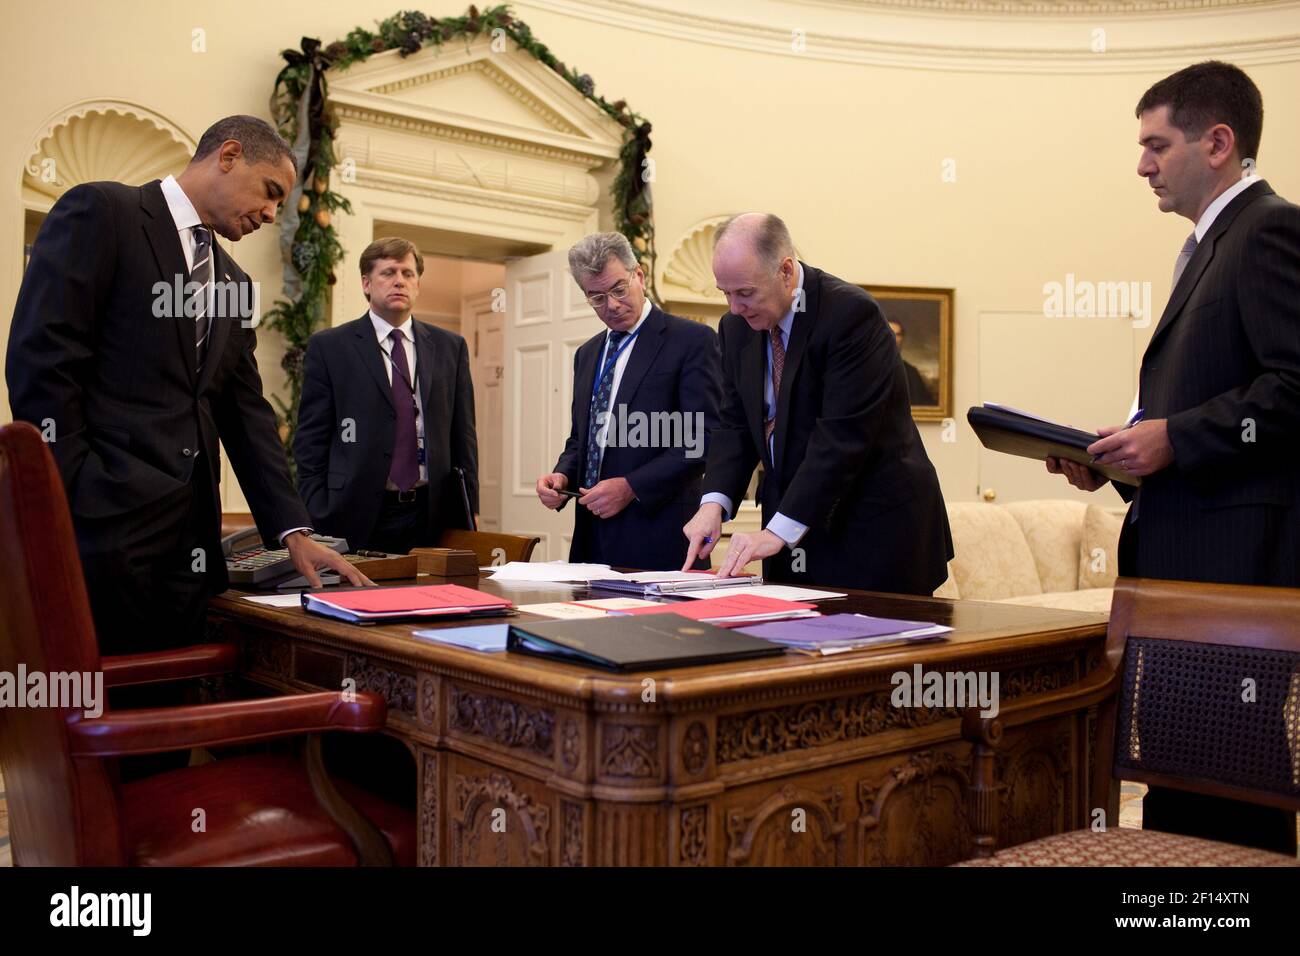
(849, 461)
(1223, 366)
(673, 367)
(346, 394)
(134, 418)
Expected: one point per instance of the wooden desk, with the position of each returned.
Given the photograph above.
(788, 760)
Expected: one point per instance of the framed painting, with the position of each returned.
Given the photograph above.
(922, 321)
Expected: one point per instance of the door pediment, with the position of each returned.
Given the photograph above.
(469, 92)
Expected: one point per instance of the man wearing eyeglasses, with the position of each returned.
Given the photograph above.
(645, 397)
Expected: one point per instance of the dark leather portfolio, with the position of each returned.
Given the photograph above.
(652, 642)
(1012, 434)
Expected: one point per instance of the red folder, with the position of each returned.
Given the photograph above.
(736, 609)
(419, 600)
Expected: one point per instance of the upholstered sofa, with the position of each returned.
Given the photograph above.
(1050, 553)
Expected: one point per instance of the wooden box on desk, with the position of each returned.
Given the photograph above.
(446, 562)
(391, 567)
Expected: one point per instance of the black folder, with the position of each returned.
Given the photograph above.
(1005, 431)
(642, 642)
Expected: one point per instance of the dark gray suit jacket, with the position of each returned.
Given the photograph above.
(344, 378)
(1223, 366)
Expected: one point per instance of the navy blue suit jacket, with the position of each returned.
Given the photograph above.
(674, 366)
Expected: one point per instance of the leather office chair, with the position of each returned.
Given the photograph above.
(1176, 710)
(490, 546)
(66, 804)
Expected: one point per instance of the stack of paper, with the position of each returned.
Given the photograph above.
(671, 582)
(550, 572)
(370, 605)
(730, 611)
(838, 633)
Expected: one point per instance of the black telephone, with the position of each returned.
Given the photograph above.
(249, 562)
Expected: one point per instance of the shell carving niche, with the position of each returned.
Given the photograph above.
(689, 265)
(103, 141)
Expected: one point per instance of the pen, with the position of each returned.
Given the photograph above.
(1137, 417)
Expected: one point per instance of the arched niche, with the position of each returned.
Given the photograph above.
(101, 140)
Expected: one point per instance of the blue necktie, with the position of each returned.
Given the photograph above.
(600, 404)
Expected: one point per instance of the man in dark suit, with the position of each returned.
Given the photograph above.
(377, 458)
(132, 349)
(1219, 387)
(814, 389)
(645, 397)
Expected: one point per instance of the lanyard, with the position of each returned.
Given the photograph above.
(392, 364)
(611, 362)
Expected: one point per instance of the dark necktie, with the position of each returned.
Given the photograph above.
(405, 470)
(778, 366)
(202, 274)
(600, 403)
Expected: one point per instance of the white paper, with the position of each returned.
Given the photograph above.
(275, 600)
(551, 572)
(561, 610)
(782, 592)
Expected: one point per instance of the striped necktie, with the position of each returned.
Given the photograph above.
(202, 274)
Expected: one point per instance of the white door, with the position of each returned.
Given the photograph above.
(546, 319)
(484, 328)
(1079, 372)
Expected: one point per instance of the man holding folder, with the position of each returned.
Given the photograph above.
(1214, 439)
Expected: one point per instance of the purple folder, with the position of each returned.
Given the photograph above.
(831, 629)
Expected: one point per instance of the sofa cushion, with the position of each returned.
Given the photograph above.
(991, 557)
(1093, 600)
(1099, 548)
(1052, 528)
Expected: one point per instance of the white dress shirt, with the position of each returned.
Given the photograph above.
(407, 329)
(785, 528)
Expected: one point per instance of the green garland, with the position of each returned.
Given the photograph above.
(315, 250)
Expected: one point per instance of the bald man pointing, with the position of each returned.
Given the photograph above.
(814, 389)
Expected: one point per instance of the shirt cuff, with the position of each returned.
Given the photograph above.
(787, 529)
(285, 534)
(718, 498)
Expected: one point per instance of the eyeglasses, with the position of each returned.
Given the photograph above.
(620, 293)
